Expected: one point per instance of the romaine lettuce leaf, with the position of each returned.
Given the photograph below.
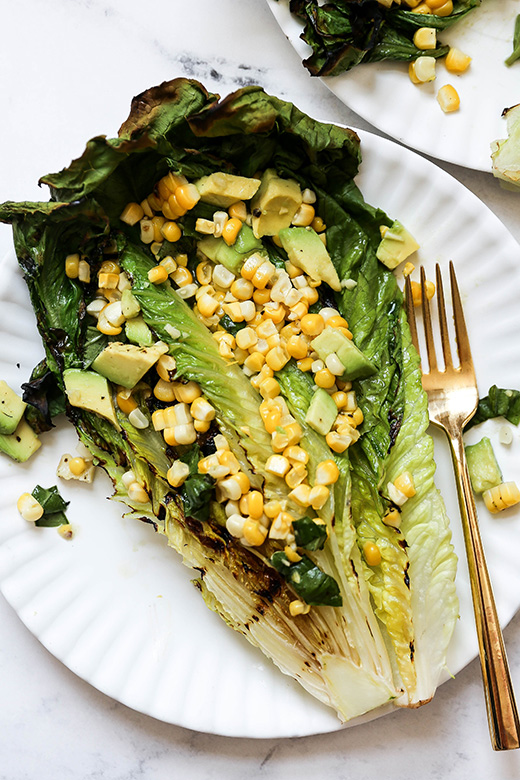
(340, 653)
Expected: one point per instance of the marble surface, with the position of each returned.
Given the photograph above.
(68, 71)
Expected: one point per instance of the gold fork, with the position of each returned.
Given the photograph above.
(452, 401)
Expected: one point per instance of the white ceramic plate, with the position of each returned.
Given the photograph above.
(383, 94)
(116, 606)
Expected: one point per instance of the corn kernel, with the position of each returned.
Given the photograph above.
(297, 347)
(425, 38)
(254, 533)
(137, 493)
(408, 269)
(304, 215)
(158, 274)
(372, 554)
(132, 213)
(250, 265)
(324, 378)
(295, 476)
(338, 442)
(297, 607)
(305, 364)
(72, 266)
(29, 508)
(65, 531)
(254, 362)
(77, 466)
(277, 465)
(448, 99)
(392, 518)
(187, 196)
(231, 230)
(318, 496)
(301, 495)
(104, 326)
(312, 324)
(108, 280)
(269, 388)
(178, 473)
(327, 473)
(164, 391)
(296, 454)
(255, 504)
(187, 392)
(246, 338)
(501, 497)
(238, 210)
(424, 69)
(182, 276)
(444, 10)
(337, 321)
(126, 403)
(456, 61)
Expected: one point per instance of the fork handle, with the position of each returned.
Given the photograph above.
(502, 712)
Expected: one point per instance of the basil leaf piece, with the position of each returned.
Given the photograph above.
(308, 581)
(497, 403)
(197, 490)
(53, 504)
(309, 534)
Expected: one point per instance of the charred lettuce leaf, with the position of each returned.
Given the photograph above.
(357, 648)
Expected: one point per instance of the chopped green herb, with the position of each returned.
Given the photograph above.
(53, 504)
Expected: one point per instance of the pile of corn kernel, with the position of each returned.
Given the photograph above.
(271, 305)
(423, 69)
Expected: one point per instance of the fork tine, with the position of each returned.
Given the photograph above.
(427, 319)
(463, 348)
(445, 339)
(410, 312)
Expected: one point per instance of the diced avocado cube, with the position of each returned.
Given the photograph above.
(275, 204)
(11, 409)
(138, 332)
(307, 251)
(224, 189)
(484, 471)
(322, 412)
(21, 444)
(89, 390)
(126, 364)
(130, 306)
(356, 364)
(232, 257)
(396, 245)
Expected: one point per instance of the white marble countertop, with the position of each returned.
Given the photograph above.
(69, 70)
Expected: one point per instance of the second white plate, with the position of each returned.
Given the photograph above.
(116, 606)
(383, 94)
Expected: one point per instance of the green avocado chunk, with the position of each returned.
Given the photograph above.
(129, 304)
(307, 251)
(275, 204)
(322, 412)
(484, 471)
(89, 390)
(224, 189)
(11, 409)
(232, 257)
(126, 364)
(332, 341)
(396, 245)
(21, 444)
(138, 332)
